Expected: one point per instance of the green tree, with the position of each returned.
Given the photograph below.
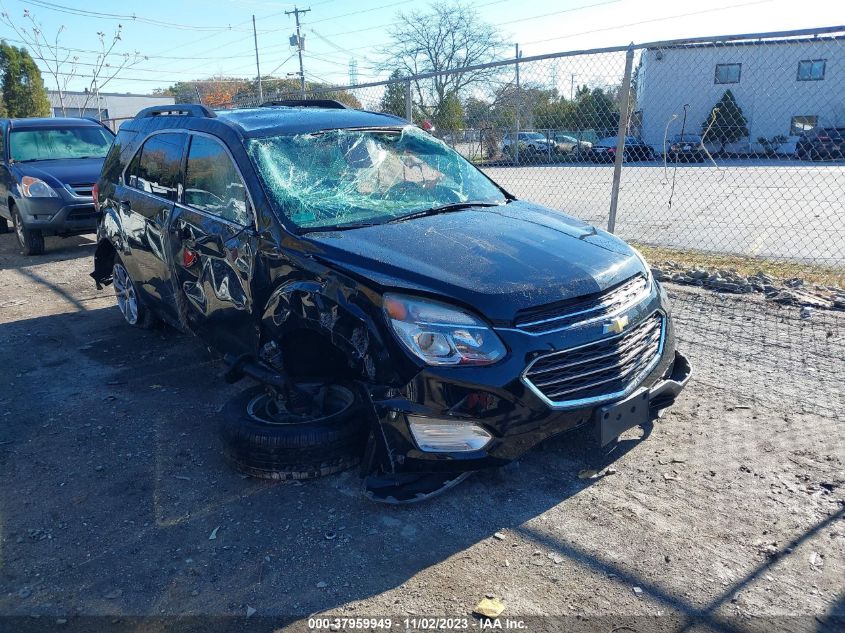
(477, 112)
(555, 114)
(726, 123)
(596, 109)
(393, 100)
(449, 117)
(22, 87)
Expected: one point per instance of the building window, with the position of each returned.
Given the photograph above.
(801, 124)
(811, 69)
(728, 73)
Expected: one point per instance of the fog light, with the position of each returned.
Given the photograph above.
(447, 436)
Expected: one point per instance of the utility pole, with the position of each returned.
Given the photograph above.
(257, 68)
(299, 46)
(572, 87)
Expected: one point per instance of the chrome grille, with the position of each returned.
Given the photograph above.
(607, 369)
(82, 190)
(586, 309)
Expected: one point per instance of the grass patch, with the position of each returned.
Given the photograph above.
(780, 269)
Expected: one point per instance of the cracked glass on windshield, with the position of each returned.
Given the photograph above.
(350, 177)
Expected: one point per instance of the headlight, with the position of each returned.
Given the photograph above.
(36, 188)
(648, 275)
(440, 334)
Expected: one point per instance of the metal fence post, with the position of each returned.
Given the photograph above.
(409, 107)
(516, 121)
(621, 131)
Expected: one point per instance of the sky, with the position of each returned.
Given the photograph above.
(194, 39)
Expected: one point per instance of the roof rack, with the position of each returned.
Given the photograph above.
(306, 103)
(181, 109)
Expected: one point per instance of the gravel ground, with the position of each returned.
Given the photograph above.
(116, 502)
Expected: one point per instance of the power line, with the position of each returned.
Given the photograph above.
(119, 17)
(96, 52)
(660, 19)
(394, 23)
(360, 11)
(290, 57)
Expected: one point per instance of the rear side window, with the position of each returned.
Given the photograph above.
(213, 184)
(157, 168)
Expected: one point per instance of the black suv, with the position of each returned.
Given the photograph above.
(394, 304)
(48, 169)
(825, 143)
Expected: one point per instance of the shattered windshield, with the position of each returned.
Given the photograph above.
(338, 178)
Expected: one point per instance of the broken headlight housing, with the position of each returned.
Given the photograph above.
(440, 334)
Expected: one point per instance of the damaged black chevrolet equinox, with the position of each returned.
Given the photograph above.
(395, 306)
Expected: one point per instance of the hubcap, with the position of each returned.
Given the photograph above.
(124, 290)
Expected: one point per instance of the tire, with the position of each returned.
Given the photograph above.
(129, 301)
(31, 242)
(314, 447)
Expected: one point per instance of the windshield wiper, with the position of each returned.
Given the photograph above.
(338, 227)
(446, 208)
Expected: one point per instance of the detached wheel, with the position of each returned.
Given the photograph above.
(134, 312)
(31, 242)
(264, 440)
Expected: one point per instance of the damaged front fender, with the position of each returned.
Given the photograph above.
(340, 313)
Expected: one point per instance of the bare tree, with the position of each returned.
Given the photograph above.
(449, 38)
(103, 71)
(63, 66)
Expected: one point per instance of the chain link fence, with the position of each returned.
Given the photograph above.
(722, 159)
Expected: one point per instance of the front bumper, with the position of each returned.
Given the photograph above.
(495, 399)
(69, 215)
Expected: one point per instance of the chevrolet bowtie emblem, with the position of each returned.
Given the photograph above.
(616, 325)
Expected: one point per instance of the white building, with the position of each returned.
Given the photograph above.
(116, 107)
(783, 86)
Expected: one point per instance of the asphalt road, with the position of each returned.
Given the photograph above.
(781, 209)
(116, 502)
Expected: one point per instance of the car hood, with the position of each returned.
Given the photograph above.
(498, 260)
(56, 173)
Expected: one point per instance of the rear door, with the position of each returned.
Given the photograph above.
(145, 198)
(213, 246)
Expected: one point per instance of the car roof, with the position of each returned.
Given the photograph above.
(265, 121)
(51, 122)
(270, 121)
